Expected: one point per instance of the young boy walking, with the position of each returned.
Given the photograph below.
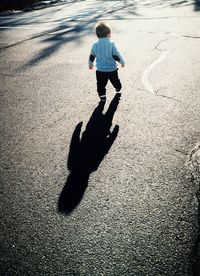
(106, 54)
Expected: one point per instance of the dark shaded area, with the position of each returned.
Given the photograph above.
(174, 3)
(15, 4)
(86, 153)
(28, 5)
(76, 27)
(197, 5)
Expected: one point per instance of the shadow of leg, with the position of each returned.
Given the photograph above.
(86, 153)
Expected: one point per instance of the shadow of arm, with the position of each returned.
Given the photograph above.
(74, 147)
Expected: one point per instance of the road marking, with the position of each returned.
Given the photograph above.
(148, 69)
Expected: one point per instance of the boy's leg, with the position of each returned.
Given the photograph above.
(102, 80)
(114, 79)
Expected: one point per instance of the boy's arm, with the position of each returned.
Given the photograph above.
(91, 59)
(117, 56)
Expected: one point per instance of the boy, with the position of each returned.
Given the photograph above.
(106, 55)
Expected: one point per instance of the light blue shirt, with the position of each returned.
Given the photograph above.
(104, 50)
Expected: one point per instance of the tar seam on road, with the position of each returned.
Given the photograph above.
(148, 69)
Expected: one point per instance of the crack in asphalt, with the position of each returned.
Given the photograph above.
(180, 151)
(170, 34)
(4, 48)
(158, 44)
(167, 97)
(149, 68)
(183, 36)
(194, 163)
(21, 42)
(189, 36)
(49, 32)
(11, 75)
(148, 18)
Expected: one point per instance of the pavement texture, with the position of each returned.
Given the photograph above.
(194, 163)
(91, 189)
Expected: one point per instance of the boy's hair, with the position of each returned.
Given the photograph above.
(102, 30)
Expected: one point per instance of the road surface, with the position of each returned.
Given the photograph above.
(88, 189)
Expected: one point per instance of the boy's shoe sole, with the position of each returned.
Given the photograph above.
(102, 98)
(118, 94)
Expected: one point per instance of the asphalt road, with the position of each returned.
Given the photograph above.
(88, 189)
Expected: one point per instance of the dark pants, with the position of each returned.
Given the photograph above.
(102, 80)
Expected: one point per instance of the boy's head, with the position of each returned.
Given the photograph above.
(102, 30)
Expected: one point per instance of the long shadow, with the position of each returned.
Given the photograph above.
(86, 153)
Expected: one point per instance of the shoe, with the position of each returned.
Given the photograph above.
(103, 98)
(118, 94)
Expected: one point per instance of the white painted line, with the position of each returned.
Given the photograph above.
(148, 69)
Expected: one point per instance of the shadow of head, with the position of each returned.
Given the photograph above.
(197, 5)
(86, 153)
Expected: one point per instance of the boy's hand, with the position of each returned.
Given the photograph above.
(91, 67)
(122, 65)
